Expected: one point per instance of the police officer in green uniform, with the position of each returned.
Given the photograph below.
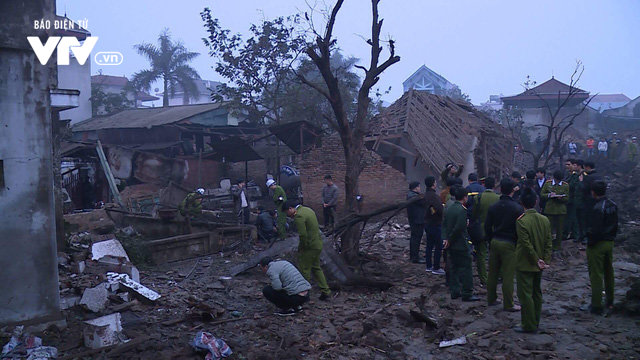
(456, 241)
(480, 208)
(533, 254)
(279, 197)
(191, 206)
(556, 192)
(310, 245)
(601, 233)
(500, 229)
(571, 225)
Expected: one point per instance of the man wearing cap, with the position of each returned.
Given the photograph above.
(633, 149)
(451, 170)
(556, 191)
(310, 245)
(191, 206)
(480, 209)
(241, 201)
(279, 197)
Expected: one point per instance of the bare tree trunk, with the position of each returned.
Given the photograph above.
(165, 95)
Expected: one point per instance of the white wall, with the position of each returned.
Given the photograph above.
(76, 77)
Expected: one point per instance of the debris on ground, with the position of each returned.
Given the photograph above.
(103, 331)
(459, 341)
(216, 348)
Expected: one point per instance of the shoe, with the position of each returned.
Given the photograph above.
(419, 261)
(289, 312)
(515, 308)
(298, 308)
(454, 296)
(472, 298)
(325, 297)
(519, 329)
(438, 272)
(589, 308)
(429, 269)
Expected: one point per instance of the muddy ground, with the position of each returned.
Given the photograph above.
(360, 323)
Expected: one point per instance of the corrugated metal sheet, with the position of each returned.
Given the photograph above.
(145, 118)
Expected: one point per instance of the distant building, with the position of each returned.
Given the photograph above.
(602, 102)
(75, 76)
(205, 89)
(118, 84)
(425, 79)
(535, 104)
(624, 118)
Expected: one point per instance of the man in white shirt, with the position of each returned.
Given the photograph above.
(241, 201)
(603, 147)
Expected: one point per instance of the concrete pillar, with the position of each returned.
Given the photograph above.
(29, 282)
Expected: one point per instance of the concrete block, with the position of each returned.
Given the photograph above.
(108, 247)
(69, 302)
(119, 265)
(103, 331)
(78, 267)
(135, 287)
(95, 299)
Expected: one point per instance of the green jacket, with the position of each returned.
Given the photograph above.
(575, 192)
(454, 227)
(191, 205)
(534, 241)
(633, 149)
(308, 229)
(278, 194)
(555, 205)
(480, 208)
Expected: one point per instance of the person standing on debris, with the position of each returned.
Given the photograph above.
(572, 225)
(588, 177)
(533, 254)
(556, 192)
(279, 197)
(191, 206)
(480, 209)
(573, 148)
(541, 178)
(500, 230)
(310, 245)
(433, 226)
(241, 201)
(456, 241)
(602, 148)
(633, 149)
(451, 170)
(416, 217)
(603, 229)
(590, 144)
(329, 202)
(288, 289)
(266, 224)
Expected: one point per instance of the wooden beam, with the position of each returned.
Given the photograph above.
(398, 148)
(107, 171)
(383, 137)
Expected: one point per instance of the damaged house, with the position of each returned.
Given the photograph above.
(420, 133)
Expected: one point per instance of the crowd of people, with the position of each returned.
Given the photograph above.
(612, 148)
(519, 223)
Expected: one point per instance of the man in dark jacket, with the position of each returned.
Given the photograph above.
(451, 170)
(329, 201)
(266, 224)
(433, 226)
(456, 241)
(474, 188)
(602, 231)
(416, 217)
(500, 229)
(541, 178)
(588, 177)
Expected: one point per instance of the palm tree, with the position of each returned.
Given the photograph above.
(169, 61)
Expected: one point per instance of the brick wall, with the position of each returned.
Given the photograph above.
(209, 174)
(380, 184)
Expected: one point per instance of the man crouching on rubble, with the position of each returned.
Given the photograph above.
(288, 289)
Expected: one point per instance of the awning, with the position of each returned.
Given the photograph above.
(299, 136)
(232, 150)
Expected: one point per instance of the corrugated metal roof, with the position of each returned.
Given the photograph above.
(144, 118)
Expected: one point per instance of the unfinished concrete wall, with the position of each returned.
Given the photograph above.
(29, 286)
(379, 183)
(76, 76)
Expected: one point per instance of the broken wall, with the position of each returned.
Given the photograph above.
(380, 184)
(29, 286)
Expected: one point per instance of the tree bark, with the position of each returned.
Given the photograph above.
(165, 94)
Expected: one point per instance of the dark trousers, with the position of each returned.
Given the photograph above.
(434, 245)
(328, 213)
(415, 240)
(281, 299)
(244, 214)
(461, 273)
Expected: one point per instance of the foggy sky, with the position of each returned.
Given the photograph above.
(485, 47)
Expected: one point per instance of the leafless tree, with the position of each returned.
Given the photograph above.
(351, 130)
